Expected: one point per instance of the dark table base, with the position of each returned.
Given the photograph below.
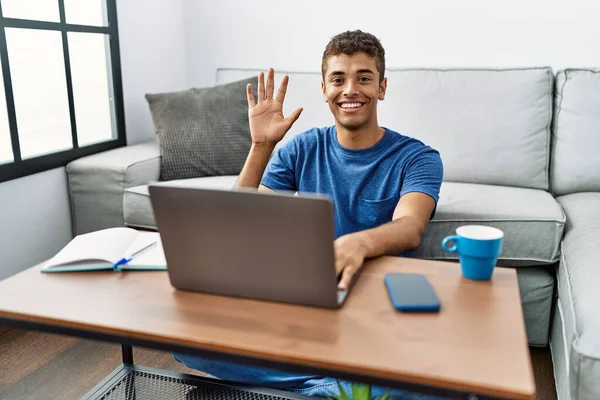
(132, 382)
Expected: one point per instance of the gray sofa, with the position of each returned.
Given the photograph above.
(521, 151)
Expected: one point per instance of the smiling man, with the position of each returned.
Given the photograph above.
(384, 185)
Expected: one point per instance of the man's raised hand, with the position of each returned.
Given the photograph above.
(267, 123)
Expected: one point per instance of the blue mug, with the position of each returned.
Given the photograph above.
(478, 249)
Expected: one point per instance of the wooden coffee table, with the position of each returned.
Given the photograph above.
(475, 345)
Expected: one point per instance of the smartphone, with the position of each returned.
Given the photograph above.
(411, 292)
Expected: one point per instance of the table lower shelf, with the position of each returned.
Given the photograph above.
(132, 382)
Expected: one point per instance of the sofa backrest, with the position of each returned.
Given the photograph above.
(490, 126)
(576, 132)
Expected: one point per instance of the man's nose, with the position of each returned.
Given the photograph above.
(350, 89)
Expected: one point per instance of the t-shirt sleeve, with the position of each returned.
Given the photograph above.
(424, 174)
(280, 173)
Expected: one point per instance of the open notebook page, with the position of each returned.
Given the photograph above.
(101, 247)
(152, 257)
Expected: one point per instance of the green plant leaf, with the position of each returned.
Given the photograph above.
(369, 392)
(361, 392)
(384, 396)
(343, 394)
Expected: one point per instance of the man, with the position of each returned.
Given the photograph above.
(384, 186)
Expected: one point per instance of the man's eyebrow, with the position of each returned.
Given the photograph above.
(365, 71)
(336, 73)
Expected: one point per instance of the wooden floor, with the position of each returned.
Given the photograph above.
(44, 366)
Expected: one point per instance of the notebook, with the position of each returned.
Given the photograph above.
(110, 249)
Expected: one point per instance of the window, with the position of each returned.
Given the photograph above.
(61, 97)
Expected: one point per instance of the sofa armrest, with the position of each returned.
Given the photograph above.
(97, 184)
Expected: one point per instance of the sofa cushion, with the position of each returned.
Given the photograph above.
(576, 132)
(490, 126)
(579, 280)
(138, 208)
(531, 219)
(202, 132)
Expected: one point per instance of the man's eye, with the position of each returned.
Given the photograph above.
(364, 79)
(336, 80)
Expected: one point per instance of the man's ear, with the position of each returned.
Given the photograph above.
(323, 91)
(382, 89)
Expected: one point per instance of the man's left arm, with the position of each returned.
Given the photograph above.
(401, 235)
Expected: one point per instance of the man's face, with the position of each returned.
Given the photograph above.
(351, 88)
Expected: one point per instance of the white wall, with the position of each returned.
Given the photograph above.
(472, 33)
(153, 59)
(35, 220)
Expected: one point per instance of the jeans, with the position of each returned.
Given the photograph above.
(307, 385)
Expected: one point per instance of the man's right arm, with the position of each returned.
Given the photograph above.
(267, 127)
(255, 166)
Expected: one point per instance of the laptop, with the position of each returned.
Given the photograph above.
(245, 243)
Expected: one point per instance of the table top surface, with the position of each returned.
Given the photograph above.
(476, 343)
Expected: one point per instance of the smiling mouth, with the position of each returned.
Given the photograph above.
(350, 106)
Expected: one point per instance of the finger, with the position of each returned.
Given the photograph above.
(261, 87)
(251, 102)
(282, 89)
(339, 267)
(270, 83)
(346, 277)
(293, 117)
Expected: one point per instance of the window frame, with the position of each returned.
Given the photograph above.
(18, 167)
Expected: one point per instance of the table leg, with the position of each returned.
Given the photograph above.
(128, 360)
(127, 354)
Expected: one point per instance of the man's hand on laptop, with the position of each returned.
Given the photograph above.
(350, 254)
(267, 123)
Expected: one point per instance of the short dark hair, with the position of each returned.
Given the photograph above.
(351, 42)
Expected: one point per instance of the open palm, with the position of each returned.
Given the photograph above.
(267, 123)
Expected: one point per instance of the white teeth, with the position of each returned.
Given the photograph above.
(351, 105)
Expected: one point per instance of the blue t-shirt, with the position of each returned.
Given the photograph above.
(365, 185)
